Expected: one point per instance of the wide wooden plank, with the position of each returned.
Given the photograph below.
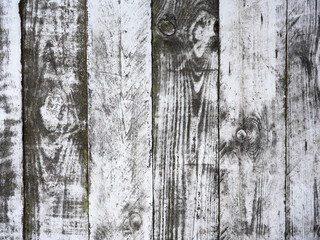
(303, 183)
(119, 60)
(185, 117)
(55, 112)
(252, 119)
(10, 122)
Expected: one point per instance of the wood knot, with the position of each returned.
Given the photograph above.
(52, 111)
(135, 220)
(241, 134)
(203, 34)
(167, 27)
(251, 136)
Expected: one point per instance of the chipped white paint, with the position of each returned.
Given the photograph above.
(11, 206)
(119, 65)
(252, 119)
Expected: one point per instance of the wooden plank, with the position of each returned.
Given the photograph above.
(11, 206)
(303, 203)
(55, 112)
(185, 116)
(252, 119)
(119, 60)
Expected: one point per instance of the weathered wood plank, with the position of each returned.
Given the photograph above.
(11, 206)
(119, 60)
(252, 119)
(185, 116)
(55, 112)
(303, 203)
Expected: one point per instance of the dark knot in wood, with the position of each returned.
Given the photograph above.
(167, 27)
(135, 221)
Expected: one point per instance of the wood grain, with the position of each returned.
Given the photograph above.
(303, 203)
(119, 60)
(55, 112)
(185, 116)
(252, 119)
(10, 123)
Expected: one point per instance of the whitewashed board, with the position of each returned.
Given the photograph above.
(119, 61)
(252, 119)
(303, 181)
(11, 206)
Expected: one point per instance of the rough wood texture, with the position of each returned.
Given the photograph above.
(55, 112)
(10, 123)
(119, 60)
(303, 202)
(197, 130)
(252, 119)
(185, 114)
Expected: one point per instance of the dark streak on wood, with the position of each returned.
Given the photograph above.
(185, 71)
(316, 225)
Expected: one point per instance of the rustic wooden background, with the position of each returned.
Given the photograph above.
(162, 119)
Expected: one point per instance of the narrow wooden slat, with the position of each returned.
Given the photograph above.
(10, 122)
(119, 60)
(185, 116)
(252, 119)
(303, 184)
(55, 112)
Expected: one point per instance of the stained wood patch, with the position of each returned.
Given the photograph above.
(55, 134)
(10, 123)
(185, 116)
(252, 119)
(303, 203)
(119, 63)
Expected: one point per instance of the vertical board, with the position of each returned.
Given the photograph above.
(252, 119)
(185, 117)
(55, 112)
(10, 122)
(119, 60)
(303, 184)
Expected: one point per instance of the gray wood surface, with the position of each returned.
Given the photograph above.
(11, 206)
(252, 119)
(119, 65)
(303, 181)
(55, 112)
(162, 119)
(185, 117)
